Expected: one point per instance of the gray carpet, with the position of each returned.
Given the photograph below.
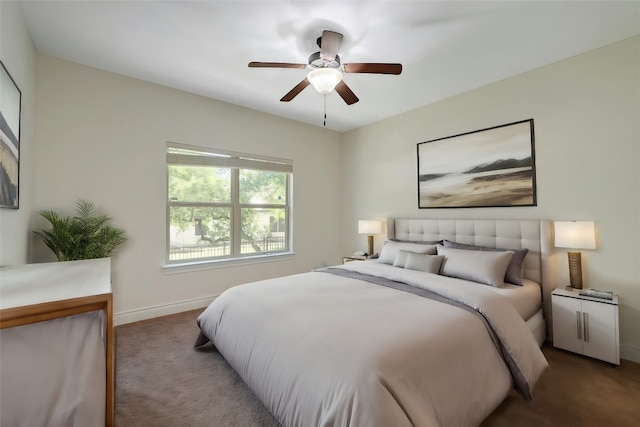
(161, 380)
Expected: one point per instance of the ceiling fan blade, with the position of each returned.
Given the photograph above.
(275, 65)
(346, 93)
(295, 91)
(331, 42)
(373, 68)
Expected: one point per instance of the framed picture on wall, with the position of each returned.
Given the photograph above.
(10, 104)
(493, 167)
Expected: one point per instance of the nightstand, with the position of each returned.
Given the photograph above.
(346, 259)
(586, 325)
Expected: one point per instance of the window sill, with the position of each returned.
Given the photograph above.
(224, 263)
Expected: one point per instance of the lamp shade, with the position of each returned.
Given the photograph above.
(575, 234)
(324, 80)
(369, 227)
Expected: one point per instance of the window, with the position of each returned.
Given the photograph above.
(223, 205)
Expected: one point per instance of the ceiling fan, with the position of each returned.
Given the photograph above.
(326, 69)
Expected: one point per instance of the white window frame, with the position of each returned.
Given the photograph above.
(204, 156)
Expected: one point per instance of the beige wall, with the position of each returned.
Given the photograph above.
(18, 56)
(101, 136)
(587, 140)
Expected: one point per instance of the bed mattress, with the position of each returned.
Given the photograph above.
(526, 299)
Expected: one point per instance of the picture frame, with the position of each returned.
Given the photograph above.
(492, 167)
(10, 116)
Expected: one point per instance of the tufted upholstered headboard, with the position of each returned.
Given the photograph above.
(534, 235)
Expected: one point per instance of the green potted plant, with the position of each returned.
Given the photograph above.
(84, 236)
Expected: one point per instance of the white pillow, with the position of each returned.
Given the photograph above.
(478, 266)
(423, 262)
(391, 249)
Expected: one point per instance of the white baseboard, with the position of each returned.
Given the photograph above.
(131, 316)
(630, 353)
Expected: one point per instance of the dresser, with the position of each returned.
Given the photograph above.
(57, 344)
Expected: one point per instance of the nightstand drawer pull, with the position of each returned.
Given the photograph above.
(586, 326)
(578, 325)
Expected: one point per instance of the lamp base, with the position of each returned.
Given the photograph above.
(575, 269)
(370, 245)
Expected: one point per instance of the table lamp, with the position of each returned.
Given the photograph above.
(370, 227)
(575, 235)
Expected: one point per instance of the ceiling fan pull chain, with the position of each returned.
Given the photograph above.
(325, 110)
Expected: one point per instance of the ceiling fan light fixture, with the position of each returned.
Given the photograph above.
(324, 80)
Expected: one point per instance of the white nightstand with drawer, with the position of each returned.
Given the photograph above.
(586, 325)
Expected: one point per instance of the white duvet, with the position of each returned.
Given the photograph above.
(324, 350)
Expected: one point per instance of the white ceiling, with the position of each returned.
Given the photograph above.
(446, 47)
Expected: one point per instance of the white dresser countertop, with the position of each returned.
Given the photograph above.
(29, 284)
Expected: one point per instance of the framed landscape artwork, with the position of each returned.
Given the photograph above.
(493, 167)
(10, 99)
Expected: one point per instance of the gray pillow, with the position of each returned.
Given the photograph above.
(514, 271)
(401, 259)
(391, 249)
(423, 242)
(486, 267)
(424, 262)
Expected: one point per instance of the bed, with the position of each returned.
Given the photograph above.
(370, 343)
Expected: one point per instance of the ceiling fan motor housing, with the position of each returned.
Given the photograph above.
(317, 62)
